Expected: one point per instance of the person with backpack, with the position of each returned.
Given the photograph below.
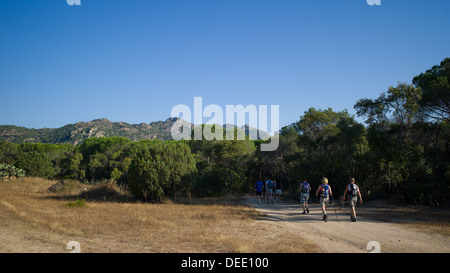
(325, 192)
(305, 188)
(269, 190)
(258, 188)
(352, 192)
(264, 192)
(278, 190)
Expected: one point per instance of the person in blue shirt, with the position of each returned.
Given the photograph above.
(258, 188)
(325, 193)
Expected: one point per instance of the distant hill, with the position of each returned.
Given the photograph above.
(78, 132)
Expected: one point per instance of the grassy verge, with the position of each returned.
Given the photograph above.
(110, 220)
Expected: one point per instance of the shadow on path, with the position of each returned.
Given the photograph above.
(292, 211)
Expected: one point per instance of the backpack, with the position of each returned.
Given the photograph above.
(305, 188)
(325, 190)
(270, 184)
(352, 190)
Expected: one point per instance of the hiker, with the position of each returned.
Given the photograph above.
(278, 189)
(264, 192)
(305, 188)
(325, 193)
(352, 192)
(269, 190)
(258, 188)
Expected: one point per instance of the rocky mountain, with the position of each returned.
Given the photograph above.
(78, 132)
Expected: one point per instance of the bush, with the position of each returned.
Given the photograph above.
(159, 169)
(10, 170)
(213, 181)
(36, 164)
(79, 203)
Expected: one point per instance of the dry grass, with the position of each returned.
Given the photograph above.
(113, 222)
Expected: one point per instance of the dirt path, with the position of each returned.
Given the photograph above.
(340, 235)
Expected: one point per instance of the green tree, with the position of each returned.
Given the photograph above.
(36, 164)
(320, 123)
(321, 150)
(9, 152)
(73, 165)
(351, 138)
(435, 85)
(96, 162)
(375, 111)
(397, 164)
(160, 169)
(279, 164)
(227, 158)
(403, 100)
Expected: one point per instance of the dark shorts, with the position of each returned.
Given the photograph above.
(258, 193)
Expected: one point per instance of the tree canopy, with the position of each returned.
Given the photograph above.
(401, 152)
(435, 85)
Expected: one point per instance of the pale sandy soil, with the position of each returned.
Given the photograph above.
(33, 220)
(340, 235)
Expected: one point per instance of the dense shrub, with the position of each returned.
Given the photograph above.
(159, 169)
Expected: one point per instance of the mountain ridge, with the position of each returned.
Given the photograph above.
(77, 132)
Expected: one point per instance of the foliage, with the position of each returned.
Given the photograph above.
(10, 170)
(401, 152)
(222, 165)
(9, 152)
(36, 164)
(79, 203)
(435, 84)
(159, 169)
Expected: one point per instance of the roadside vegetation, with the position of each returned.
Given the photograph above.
(400, 153)
(104, 222)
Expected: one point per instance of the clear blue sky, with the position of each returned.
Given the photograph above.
(134, 60)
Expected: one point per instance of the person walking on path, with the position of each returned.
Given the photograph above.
(325, 192)
(264, 193)
(258, 188)
(352, 192)
(278, 190)
(305, 188)
(269, 190)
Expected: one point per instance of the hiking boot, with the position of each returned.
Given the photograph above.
(325, 218)
(304, 212)
(354, 219)
(307, 210)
